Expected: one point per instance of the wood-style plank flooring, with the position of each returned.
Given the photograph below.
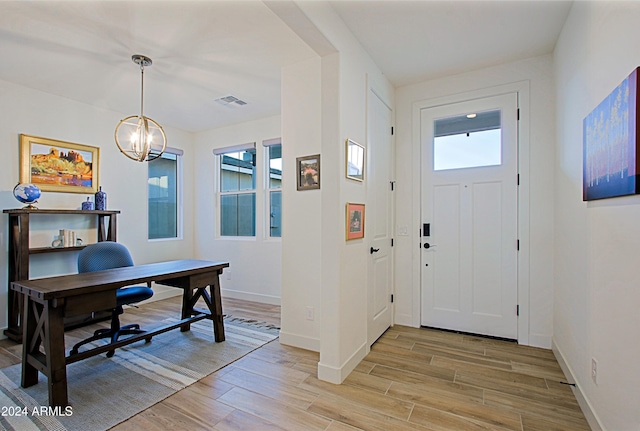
(413, 379)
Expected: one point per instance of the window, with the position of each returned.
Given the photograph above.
(237, 192)
(163, 195)
(274, 187)
(468, 141)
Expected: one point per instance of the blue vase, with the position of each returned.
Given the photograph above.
(101, 200)
(87, 206)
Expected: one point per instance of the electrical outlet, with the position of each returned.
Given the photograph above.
(310, 313)
(594, 370)
(228, 272)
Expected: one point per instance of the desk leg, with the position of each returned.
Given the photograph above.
(30, 340)
(187, 307)
(218, 318)
(54, 350)
(44, 325)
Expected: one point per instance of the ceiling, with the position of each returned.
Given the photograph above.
(205, 50)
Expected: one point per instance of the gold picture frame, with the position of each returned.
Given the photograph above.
(355, 221)
(355, 158)
(58, 166)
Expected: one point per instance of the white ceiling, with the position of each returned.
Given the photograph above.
(412, 41)
(204, 50)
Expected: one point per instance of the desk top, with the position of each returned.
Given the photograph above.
(77, 284)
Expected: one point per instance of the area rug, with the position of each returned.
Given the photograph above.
(106, 391)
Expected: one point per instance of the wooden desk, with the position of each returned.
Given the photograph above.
(47, 301)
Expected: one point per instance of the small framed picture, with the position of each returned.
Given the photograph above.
(57, 166)
(355, 160)
(308, 172)
(355, 221)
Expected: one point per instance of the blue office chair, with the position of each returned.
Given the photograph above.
(109, 255)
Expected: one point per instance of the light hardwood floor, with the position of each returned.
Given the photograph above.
(413, 379)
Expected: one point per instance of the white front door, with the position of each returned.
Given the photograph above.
(469, 214)
(378, 217)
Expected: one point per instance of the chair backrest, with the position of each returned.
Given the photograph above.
(103, 255)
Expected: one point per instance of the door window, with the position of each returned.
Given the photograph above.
(467, 141)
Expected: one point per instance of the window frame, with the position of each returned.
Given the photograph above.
(179, 196)
(219, 153)
(267, 144)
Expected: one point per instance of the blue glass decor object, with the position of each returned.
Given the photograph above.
(101, 200)
(87, 206)
(27, 194)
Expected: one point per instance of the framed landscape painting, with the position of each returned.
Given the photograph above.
(58, 166)
(610, 141)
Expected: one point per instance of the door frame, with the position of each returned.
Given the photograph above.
(522, 88)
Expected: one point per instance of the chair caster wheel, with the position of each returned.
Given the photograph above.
(73, 352)
(147, 340)
(110, 353)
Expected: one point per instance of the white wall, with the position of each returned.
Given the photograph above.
(32, 112)
(302, 217)
(255, 262)
(324, 103)
(537, 133)
(597, 293)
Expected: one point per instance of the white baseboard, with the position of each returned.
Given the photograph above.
(583, 402)
(249, 296)
(542, 341)
(337, 375)
(163, 293)
(404, 320)
(299, 341)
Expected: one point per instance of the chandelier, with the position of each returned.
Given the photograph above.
(139, 137)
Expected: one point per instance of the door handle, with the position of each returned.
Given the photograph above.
(374, 250)
(427, 245)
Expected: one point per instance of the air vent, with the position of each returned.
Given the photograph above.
(230, 101)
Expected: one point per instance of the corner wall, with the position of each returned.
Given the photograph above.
(254, 272)
(597, 294)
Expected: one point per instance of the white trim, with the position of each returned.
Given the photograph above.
(172, 150)
(249, 296)
(266, 181)
(162, 292)
(300, 341)
(235, 148)
(583, 402)
(270, 142)
(522, 88)
(337, 375)
(542, 341)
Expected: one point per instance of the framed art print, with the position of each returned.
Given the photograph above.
(308, 172)
(355, 221)
(58, 166)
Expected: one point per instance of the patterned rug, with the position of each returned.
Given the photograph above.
(106, 391)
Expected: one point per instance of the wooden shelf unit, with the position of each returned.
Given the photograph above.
(19, 252)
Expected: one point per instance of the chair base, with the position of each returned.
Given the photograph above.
(113, 333)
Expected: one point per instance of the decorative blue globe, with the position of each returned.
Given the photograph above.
(27, 194)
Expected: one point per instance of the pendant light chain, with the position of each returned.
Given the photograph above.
(141, 89)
